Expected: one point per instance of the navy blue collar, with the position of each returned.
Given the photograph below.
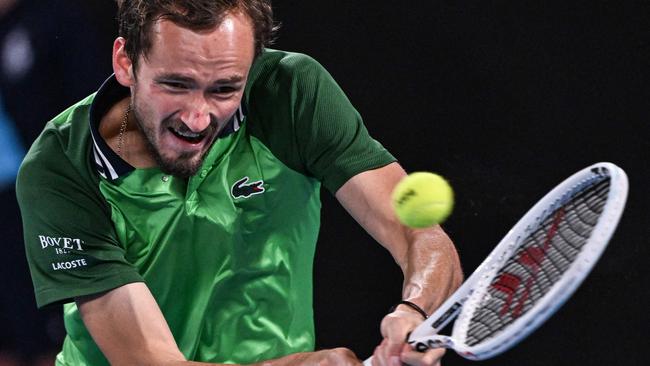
(108, 164)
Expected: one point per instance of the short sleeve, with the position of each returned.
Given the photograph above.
(332, 139)
(297, 109)
(70, 241)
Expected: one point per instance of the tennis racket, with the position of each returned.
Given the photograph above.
(533, 270)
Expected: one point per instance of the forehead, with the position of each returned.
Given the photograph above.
(230, 42)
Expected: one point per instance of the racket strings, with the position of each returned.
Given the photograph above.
(582, 217)
(538, 263)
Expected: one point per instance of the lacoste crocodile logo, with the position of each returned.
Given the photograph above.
(242, 188)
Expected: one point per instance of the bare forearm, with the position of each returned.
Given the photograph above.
(290, 360)
(431, 268)
(427, 257)
(328, 357)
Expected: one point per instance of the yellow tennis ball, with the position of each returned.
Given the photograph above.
(422, 199)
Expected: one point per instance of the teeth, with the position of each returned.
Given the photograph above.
(189, 134)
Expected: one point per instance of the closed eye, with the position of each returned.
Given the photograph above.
(226, 90)
(175, 85)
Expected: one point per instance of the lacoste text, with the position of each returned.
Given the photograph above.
(69, 265)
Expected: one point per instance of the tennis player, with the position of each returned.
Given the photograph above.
(175, 212)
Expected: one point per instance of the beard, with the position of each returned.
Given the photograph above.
(185, 164)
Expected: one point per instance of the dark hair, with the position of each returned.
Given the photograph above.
(137, 17)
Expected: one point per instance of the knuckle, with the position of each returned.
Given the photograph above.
(343, 352)
(336, 356)
(432, 357)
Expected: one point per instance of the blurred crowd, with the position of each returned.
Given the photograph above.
(52, 53)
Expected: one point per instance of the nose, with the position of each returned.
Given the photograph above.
(197, 114)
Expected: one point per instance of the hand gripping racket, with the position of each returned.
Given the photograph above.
(533, 270)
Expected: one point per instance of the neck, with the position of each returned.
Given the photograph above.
(132, 148)
(123, 124)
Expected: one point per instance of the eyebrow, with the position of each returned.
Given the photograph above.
(182, 78)
(231, 80)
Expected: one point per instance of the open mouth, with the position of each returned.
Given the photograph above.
(188, 136)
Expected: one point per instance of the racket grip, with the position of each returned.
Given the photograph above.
(422, 344)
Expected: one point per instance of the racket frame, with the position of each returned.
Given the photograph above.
(574, 275)
(464, 300)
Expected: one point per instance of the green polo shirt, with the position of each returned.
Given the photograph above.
(227, 253)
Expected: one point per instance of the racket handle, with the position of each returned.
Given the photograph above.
(423, 344)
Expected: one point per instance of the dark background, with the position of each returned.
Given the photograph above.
(505, 99)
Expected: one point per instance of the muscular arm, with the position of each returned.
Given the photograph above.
(427, 258)
(129, 328)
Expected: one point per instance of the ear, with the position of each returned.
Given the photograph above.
(122, 65)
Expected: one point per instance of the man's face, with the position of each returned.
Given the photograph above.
(188, 87)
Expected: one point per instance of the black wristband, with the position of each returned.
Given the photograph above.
(412, 306)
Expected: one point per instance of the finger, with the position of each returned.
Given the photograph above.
(378, 356)
(394, 347)
(383, 357)
(396, 333)
(396, 327)
(429, 358)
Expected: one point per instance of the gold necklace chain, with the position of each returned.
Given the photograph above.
(120, 137)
